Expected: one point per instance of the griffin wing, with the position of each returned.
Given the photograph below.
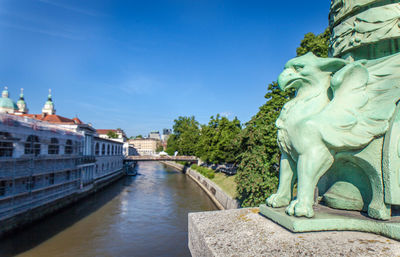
(364, 99)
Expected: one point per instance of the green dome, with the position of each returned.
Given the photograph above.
(6, 102)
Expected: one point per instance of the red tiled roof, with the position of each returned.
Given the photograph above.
(105, 131)
(54, 119)
(77, 120)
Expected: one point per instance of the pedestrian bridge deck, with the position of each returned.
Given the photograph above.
(161, 158)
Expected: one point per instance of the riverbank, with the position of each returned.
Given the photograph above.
(222, 199)
(19, 221)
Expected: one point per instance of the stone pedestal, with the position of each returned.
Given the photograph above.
(245, 232)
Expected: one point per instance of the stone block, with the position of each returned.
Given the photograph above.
(245, 232)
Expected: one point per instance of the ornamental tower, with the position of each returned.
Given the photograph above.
(22, 107)
(48, 108)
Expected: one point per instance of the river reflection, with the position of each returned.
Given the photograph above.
(144, 215)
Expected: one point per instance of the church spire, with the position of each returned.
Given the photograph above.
(22, 107)
(48, 108)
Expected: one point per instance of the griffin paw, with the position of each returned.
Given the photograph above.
(305, 210)
(277, 201)
(290, 209)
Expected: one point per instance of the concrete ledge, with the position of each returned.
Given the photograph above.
(244, 232)
(332, 219)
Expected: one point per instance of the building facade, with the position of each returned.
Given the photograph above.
(155, 135)
(48, 161)
(119, 134)
(38, 164)
(145, 146)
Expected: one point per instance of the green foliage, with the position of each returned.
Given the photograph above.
(218, 140)
(139, 137)
(172, 145)
(258, 168)
(185, 137)
(206, 172)
(318, 45)
(183, 163)
(112, 134)
(159, 148)
(257, 175)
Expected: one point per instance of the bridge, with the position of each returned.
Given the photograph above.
(192, 159)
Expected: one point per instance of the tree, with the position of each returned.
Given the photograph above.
(159, 148)
(318, 45)
(258, 168)
(185, 137)
(172, 144)
(139, 137)
(112, 134)
(217, 142)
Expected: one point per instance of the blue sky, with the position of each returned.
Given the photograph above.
(139, 65)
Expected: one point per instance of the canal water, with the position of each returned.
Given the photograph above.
(141, 216)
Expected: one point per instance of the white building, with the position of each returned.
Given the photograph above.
(47, 161)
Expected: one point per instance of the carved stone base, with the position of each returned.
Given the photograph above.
(327, 219)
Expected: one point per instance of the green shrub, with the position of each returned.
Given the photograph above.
(184, 163)
(206, 172)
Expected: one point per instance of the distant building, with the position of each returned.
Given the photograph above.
(155, 135)
(104, 133)
(145, 146)
(165, 135)
(167, 131)
(121, 137)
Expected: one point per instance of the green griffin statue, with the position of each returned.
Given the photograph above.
(340, 136)
(340, 109)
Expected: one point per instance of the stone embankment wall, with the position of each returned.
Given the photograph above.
(217, 195)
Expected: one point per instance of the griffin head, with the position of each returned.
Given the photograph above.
(308, 69)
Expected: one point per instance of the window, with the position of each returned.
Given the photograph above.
(53, 146)
(68, 175)
(68, 147)
(51, 179)
(32, 183)
(2, 188)
(6, 145)
(112, 150)
(32, 145)
(97, 149)
(103, 149)
(108, 149)
(78, 148)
